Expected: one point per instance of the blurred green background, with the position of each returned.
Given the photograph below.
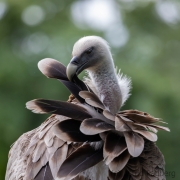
(145, 40)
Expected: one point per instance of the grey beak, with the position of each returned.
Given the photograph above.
(72, 68)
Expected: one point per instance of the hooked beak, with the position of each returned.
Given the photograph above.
(74, 68)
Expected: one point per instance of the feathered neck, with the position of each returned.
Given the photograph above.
(105, 81)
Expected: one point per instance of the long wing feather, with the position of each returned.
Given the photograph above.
(141, 118)
(54, 69)
(82, 159)
(58, 107)
(74, 89)
(160, 127)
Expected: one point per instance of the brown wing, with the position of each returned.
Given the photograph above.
(30, 146)
(39, 154)
(73, 147)
(17, 162)
(48, 152)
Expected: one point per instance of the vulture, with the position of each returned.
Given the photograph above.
(88, 137)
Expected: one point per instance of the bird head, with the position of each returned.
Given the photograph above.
(89, 53)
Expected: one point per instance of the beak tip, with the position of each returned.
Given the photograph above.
(71, 71)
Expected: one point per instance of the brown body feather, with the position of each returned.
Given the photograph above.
(148, 165)
(127, 151)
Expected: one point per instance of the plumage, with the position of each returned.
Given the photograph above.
(54, 69)
(141, 118)
(57, 159)
(113, 147)
(135, 143)
(58, 107)
(73, 89)
(50, 122)
(69, 130)
(39, 151)
(160, 127)
(91, 99)
(120, 125)
(88, 136)
(148, 135)
(108, 115)
(57, 143)
(44, 174)
(116, 176)
(49, 139)
(119, 162)
(95, 126)
(82, 159)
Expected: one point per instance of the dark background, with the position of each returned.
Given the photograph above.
(145, 40)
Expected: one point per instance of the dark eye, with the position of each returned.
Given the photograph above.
(89, 51)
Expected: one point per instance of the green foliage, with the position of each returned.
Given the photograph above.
(151, 57)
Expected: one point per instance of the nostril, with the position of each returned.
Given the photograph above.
(74, 60)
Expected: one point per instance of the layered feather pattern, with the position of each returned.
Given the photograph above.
(82, 133)
(54, 69)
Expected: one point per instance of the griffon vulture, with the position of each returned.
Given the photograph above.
(88, 137)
